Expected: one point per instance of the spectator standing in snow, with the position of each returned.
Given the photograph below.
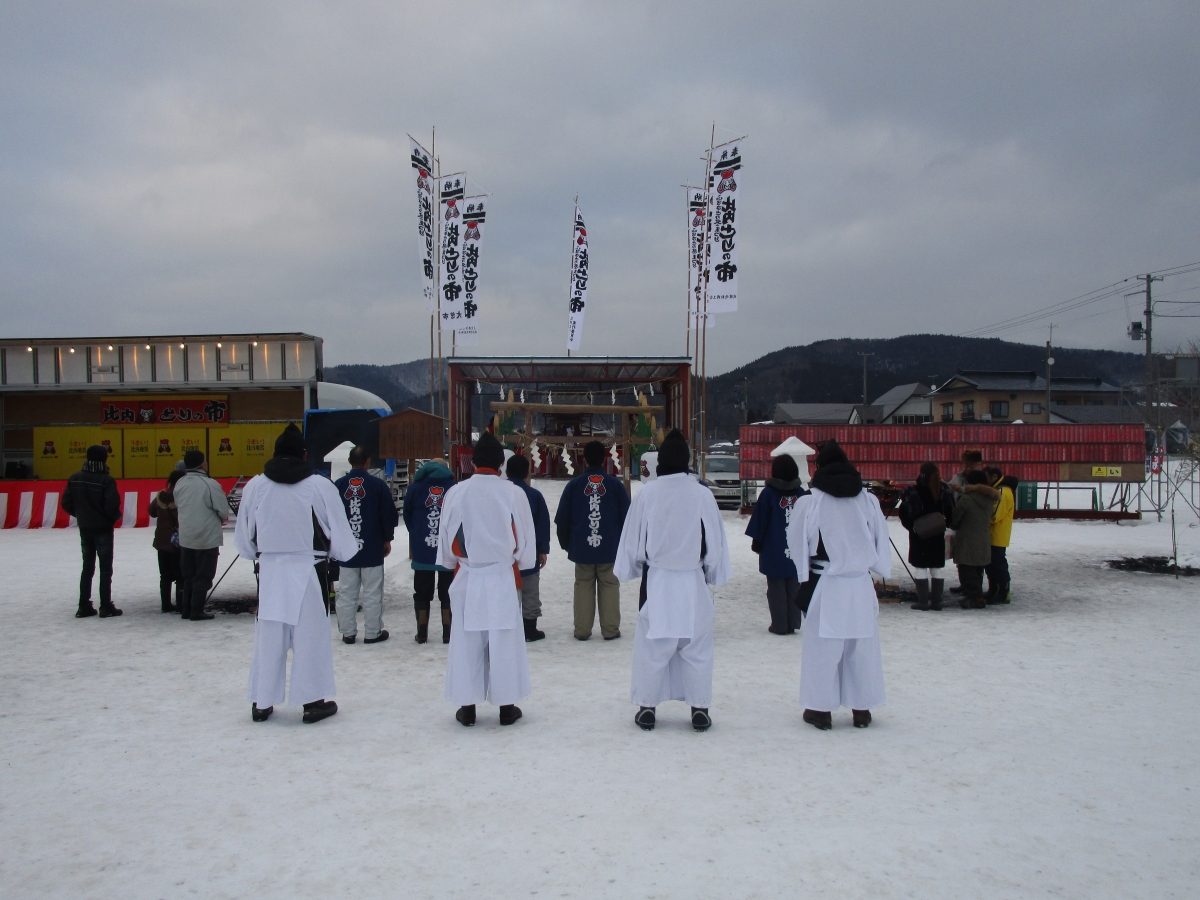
(972, 460)
(972, 524)
(373, 519)
(840, 530)
(91, 497)
(422, 517)
(1002, 520)
(925, 511)
(674, 541)
(202, 510)
(166, 542)
(768, 538)
(589, 520)
(517, 470)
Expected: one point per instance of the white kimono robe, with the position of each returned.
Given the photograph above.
(486, 658)
(841, 663)
(275, 526)
(673, 644)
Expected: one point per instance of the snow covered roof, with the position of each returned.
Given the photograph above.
(899, 395)
(813, 413)
(983, 380)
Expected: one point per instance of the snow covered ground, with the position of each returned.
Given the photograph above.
(1045, 749)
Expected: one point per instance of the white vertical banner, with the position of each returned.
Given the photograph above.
(466, 331)
(579, 281)
(725, 177)
(451, 190)
(696, 238)
(425, 224)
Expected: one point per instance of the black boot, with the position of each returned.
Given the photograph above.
(509, 713)
(862, 718)
(992, 588)
(821, 720)
(107, 610)
(701, 720)
(935, 597)
(164, 591)
(446, 617)
(466, 715)
(260, 715)
(85, 609)
(644, 718)
(422, 626)
(531, 631)
(922, 594)
(318, 710)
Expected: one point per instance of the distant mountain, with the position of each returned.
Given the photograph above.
(831, 371)
(401, 385)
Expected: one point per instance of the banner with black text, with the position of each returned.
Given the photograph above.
(579, 282)
(466, 330)
(450, 196)
(725, 177)
(425, 224)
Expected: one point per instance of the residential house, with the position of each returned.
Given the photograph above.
(981, 396)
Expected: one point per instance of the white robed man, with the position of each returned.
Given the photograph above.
(487, 535)
(838, 536)
(284, 515)
(674, 541)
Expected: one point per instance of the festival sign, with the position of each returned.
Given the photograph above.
(725, 176)
(121, 412)
(696, 238)
(579, 282)
(425, 233)
(451, 222)
(466, 331)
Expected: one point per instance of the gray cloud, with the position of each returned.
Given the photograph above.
(921, 166)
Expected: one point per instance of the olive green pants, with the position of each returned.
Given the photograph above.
(597, 586)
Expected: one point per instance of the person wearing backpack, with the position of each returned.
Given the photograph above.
(925, 511)
(91, 497)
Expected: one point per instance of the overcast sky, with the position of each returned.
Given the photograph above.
(919, 166)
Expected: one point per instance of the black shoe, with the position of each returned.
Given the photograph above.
(349, 638)
(957, 589)
(318, 710)
(378, 639)
(170, 608)
(85, 609)
(614, 637)
(701, 720)
(422, 634)
(509, 713)
(644, 718)
(862, 718)
(578, 638)
(772, 629)
(466, 715)
(260, 715)
(821, 720)
(447, 621)
(202, 617)
(107, 611)
(531, 631)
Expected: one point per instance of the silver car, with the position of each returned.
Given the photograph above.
(722, 478)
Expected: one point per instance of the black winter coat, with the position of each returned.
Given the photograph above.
(927, 553)
(92, 498)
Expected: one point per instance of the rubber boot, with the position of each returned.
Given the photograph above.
(922, 594)
(992, 588)
(531, 631)
(445, 626)
(164, 591)
(938, 585)
(422, 626)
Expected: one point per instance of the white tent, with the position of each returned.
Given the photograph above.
(800, 452)
(339, 459)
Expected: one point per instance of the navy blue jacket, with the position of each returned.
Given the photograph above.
(372, 515)
(541, 519)
(768, 531)
(590, 517)
(423, 514)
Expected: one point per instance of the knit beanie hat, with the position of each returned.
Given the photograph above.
(673, 455)
(830, 452)
(291, 442)
(97, 453)
(488, 452)
(193, 459)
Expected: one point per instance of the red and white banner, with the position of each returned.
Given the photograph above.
(466, 331)
(450, 220)
(38, 504)
(199, 410)
(724, 181)
(579, 282)
(422, 175)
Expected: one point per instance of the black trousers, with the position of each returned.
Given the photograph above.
(783, 599)
(997, 569)
(423, 580)
(168, 574)
(971, 579)
(197, 569)
(96, 542)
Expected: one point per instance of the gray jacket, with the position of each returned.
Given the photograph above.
(972, 524)
(202, 510)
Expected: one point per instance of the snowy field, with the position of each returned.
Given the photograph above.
(1046, 749)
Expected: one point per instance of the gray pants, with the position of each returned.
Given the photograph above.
(783, 599)
(531, 596)
(365, 586)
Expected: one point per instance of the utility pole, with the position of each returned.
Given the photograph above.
(1151, 368)
(1049, 363)
(746, 399)
(864, 359)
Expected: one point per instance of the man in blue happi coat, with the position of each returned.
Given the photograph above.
(373, 519)
(768, 534)
(517, 471)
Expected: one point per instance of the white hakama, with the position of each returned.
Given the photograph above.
(275, 526)
(841, 662)
(674, 531)
(486, 528)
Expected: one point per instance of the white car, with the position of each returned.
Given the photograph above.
(721, 476)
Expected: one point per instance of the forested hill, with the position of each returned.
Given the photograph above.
(400, 385)
(831, 371)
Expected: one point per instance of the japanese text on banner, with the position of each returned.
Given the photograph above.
(696, 215)
(425, 225)
(466, 330)
(725, 177)
(579, 282)
(451, 222)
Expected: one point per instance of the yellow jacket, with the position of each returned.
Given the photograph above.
(1002, 518)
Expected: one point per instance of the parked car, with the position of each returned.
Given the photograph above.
(722, 478)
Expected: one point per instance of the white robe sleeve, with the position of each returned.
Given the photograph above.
(331, 514)
(631, 551)
(879, 530)
(526, 534)
(797, 536)
(448, 528)
(245, 531)
(717, 567)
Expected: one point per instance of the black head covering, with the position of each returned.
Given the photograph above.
(784, 468)
(488, 452)
(673, 455)
(835, 475)
(97, 453)
(976, 477)
(291, 442)
(518, 467)
(193, 459)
